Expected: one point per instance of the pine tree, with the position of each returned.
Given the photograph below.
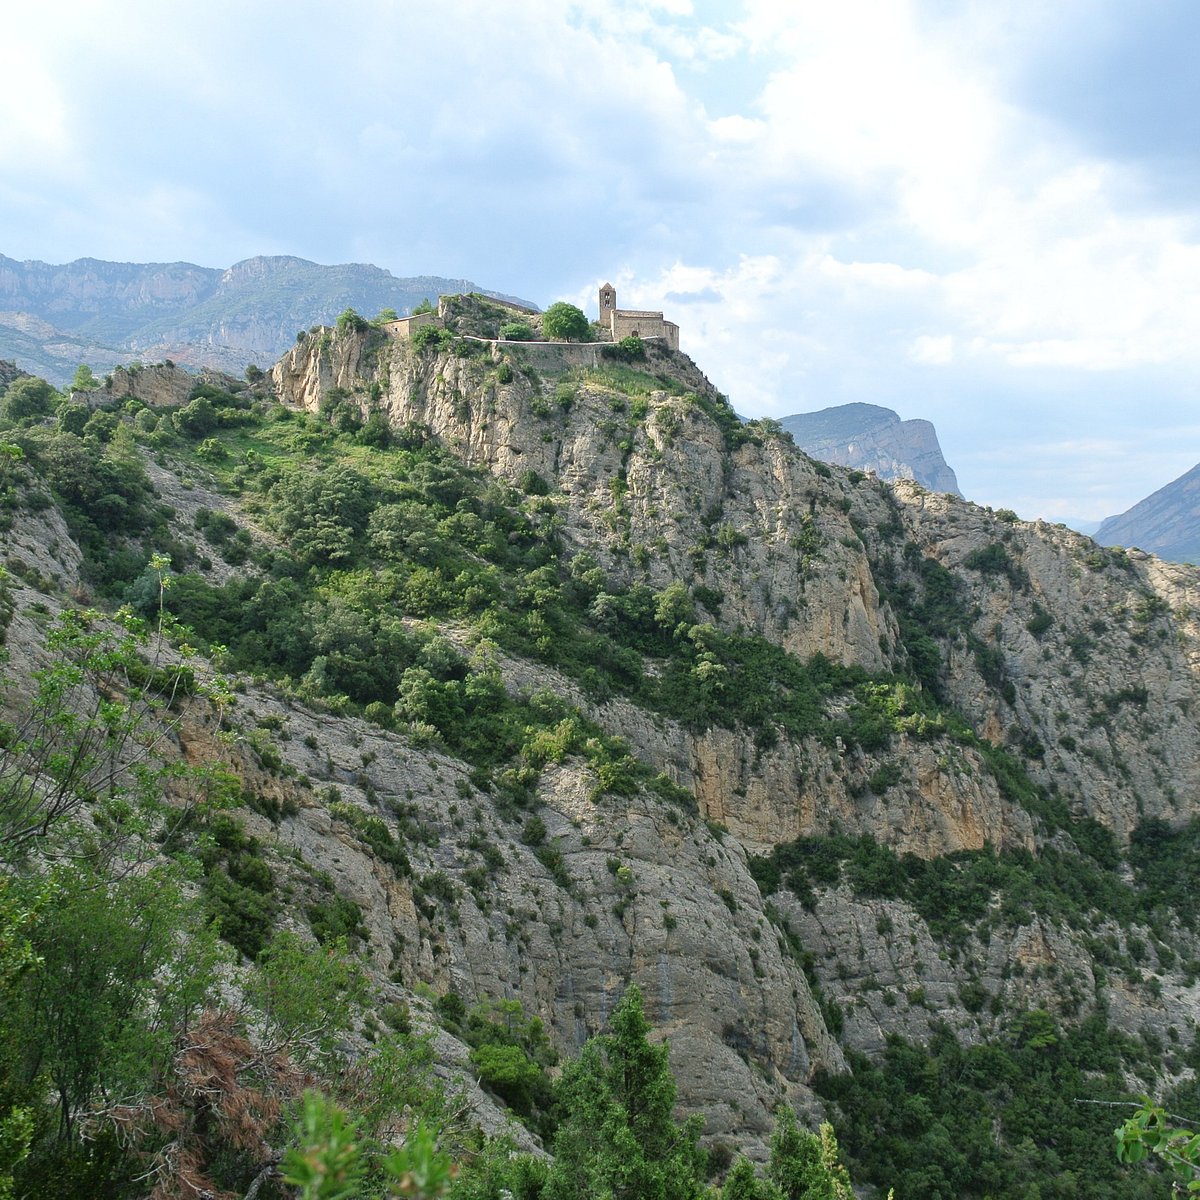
(742, 1183)
(804, 1166)
(617, 1137)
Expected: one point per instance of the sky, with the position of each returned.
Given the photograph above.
(986, 215)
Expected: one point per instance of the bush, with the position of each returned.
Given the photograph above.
(532, 484)
(517, 331)
(628, 349)
(376, 432)
(198, 419)
(429, 336)
(350, 322)
(29, 398)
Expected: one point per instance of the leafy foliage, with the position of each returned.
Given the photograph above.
(1001, 1119)
(564, 322)
(618, 1136)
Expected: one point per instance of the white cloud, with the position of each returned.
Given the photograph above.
(933, 349)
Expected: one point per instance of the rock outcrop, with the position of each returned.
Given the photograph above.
(866, 437)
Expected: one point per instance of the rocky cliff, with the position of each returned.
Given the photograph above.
(889, 762)
(866, 437)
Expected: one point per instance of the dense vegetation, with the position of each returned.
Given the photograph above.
(370, 572)
(1028, 1115)
(364, 536)
(962, 893)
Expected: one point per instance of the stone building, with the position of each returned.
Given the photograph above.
(405, 327)
(622, 322)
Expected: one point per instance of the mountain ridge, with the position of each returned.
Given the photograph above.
(559, 676)
(1166, 523)
(868, 437)
(105, 313)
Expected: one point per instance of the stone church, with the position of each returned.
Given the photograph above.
(622, 322)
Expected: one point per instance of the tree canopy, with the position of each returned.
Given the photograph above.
(564, 322)
(618, 1137)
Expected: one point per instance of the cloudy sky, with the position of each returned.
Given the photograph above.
(985, 214)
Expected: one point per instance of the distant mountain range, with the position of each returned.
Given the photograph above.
(871, 438)
(52, 318)
(1166, 523)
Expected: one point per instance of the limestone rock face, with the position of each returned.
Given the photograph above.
(1108, 688)
(653, 898)
(794, 551)
(160, 385)
(1080, 662)
(870, 438)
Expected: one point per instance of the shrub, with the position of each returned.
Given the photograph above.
(28, 398)
(350, 322)
(517, 331)
(532, 484)
(429, 336)
(628, 349)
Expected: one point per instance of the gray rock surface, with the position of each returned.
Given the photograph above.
(867, 437)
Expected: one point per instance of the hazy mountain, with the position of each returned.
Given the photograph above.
(1166, 523)
(54, 317)
(870, 438)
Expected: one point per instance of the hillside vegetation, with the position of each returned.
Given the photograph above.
(373, 726)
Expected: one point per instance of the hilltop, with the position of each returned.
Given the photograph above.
(1166, 523)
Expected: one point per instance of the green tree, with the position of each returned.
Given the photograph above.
(73, 746)
(564, 322)
(122, 959)
(351, 322)
(617, 1137)
(517, 331)
(84, 380)
(73, 418)
(743, 1183)
(28, 398)
(803, 1165)
(307, 994)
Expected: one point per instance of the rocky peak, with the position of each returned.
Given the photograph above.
(867, 437)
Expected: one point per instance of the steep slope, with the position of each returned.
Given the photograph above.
(562, 677)
(866, 437)
(56, 316)
(1166, 523)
